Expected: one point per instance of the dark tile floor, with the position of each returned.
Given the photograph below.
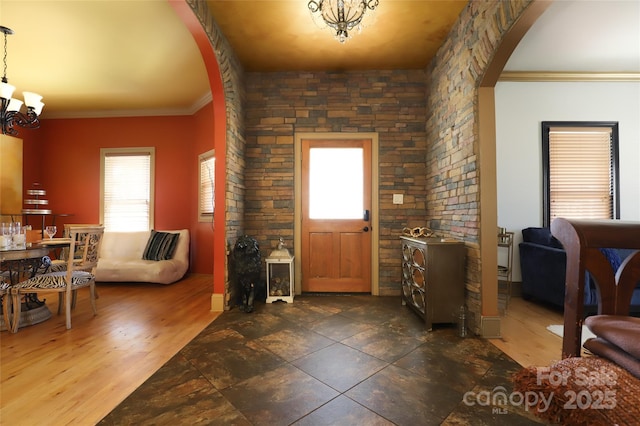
(326, 360)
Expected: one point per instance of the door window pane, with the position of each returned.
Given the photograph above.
(336, 183)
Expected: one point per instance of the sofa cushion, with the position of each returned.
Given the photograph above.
(148, 271)
(124, 245)
(540, 236)
(160, 246)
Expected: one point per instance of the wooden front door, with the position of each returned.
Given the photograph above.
(336, 218)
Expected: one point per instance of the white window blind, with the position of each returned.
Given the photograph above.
(127, 189)
(581, 173)
(206, 189)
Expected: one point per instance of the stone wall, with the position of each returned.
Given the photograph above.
(454, 76)
(391, 103)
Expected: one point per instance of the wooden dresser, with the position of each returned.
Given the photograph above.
(433, 278)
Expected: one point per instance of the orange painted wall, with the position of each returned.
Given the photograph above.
(201, 232)
(64, 156)
(32, 159)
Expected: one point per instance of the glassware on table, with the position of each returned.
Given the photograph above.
(6, 235)
(14, 228)
(50, 231)
(19, 236)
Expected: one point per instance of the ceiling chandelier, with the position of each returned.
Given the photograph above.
(10, 114)
(341, 15)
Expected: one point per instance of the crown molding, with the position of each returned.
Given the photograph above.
(540, 76)
(206, 99)
(192, 109)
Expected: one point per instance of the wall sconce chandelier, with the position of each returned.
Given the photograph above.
(341, 15)
(10, 114)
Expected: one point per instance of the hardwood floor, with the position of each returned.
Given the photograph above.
(50, 375)
(525, 336)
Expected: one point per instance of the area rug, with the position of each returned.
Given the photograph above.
(558, 330)
(581, 391)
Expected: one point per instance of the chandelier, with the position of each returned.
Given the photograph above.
(10, 114)
(341, 15)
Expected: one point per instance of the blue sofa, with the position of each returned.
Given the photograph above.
(543, 266)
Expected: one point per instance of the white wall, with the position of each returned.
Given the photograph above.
(520, 109)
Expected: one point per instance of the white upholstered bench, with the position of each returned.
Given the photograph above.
(121, 259)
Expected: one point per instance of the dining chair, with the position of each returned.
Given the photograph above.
(79, 273)
(60, 263)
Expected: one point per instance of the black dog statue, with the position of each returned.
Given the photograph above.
(247, 264)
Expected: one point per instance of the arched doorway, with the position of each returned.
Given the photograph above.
(219, 118)
(487, 157)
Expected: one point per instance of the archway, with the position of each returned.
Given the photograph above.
(219, 118)
(487, 154)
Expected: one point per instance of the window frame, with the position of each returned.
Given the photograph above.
(614, 161)
(150, 151)
(206, 216)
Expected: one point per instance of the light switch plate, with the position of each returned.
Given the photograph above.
(398, 199)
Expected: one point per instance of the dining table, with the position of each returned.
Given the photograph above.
(18, 263)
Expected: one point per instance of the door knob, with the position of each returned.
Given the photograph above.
(365, 229)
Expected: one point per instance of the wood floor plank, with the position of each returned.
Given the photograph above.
(525, 336)
(51, 375)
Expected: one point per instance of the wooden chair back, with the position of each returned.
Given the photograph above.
(582, 241)
(64, 253)
(85, 243)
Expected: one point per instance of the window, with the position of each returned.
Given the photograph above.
(580, 170)
(206, 185)
(126, 188)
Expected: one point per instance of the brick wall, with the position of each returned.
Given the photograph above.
(391, 103)
(453, 193)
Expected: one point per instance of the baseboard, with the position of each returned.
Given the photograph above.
(490, 327)
(217, 302)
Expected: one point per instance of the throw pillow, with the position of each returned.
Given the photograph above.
(160, 246)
